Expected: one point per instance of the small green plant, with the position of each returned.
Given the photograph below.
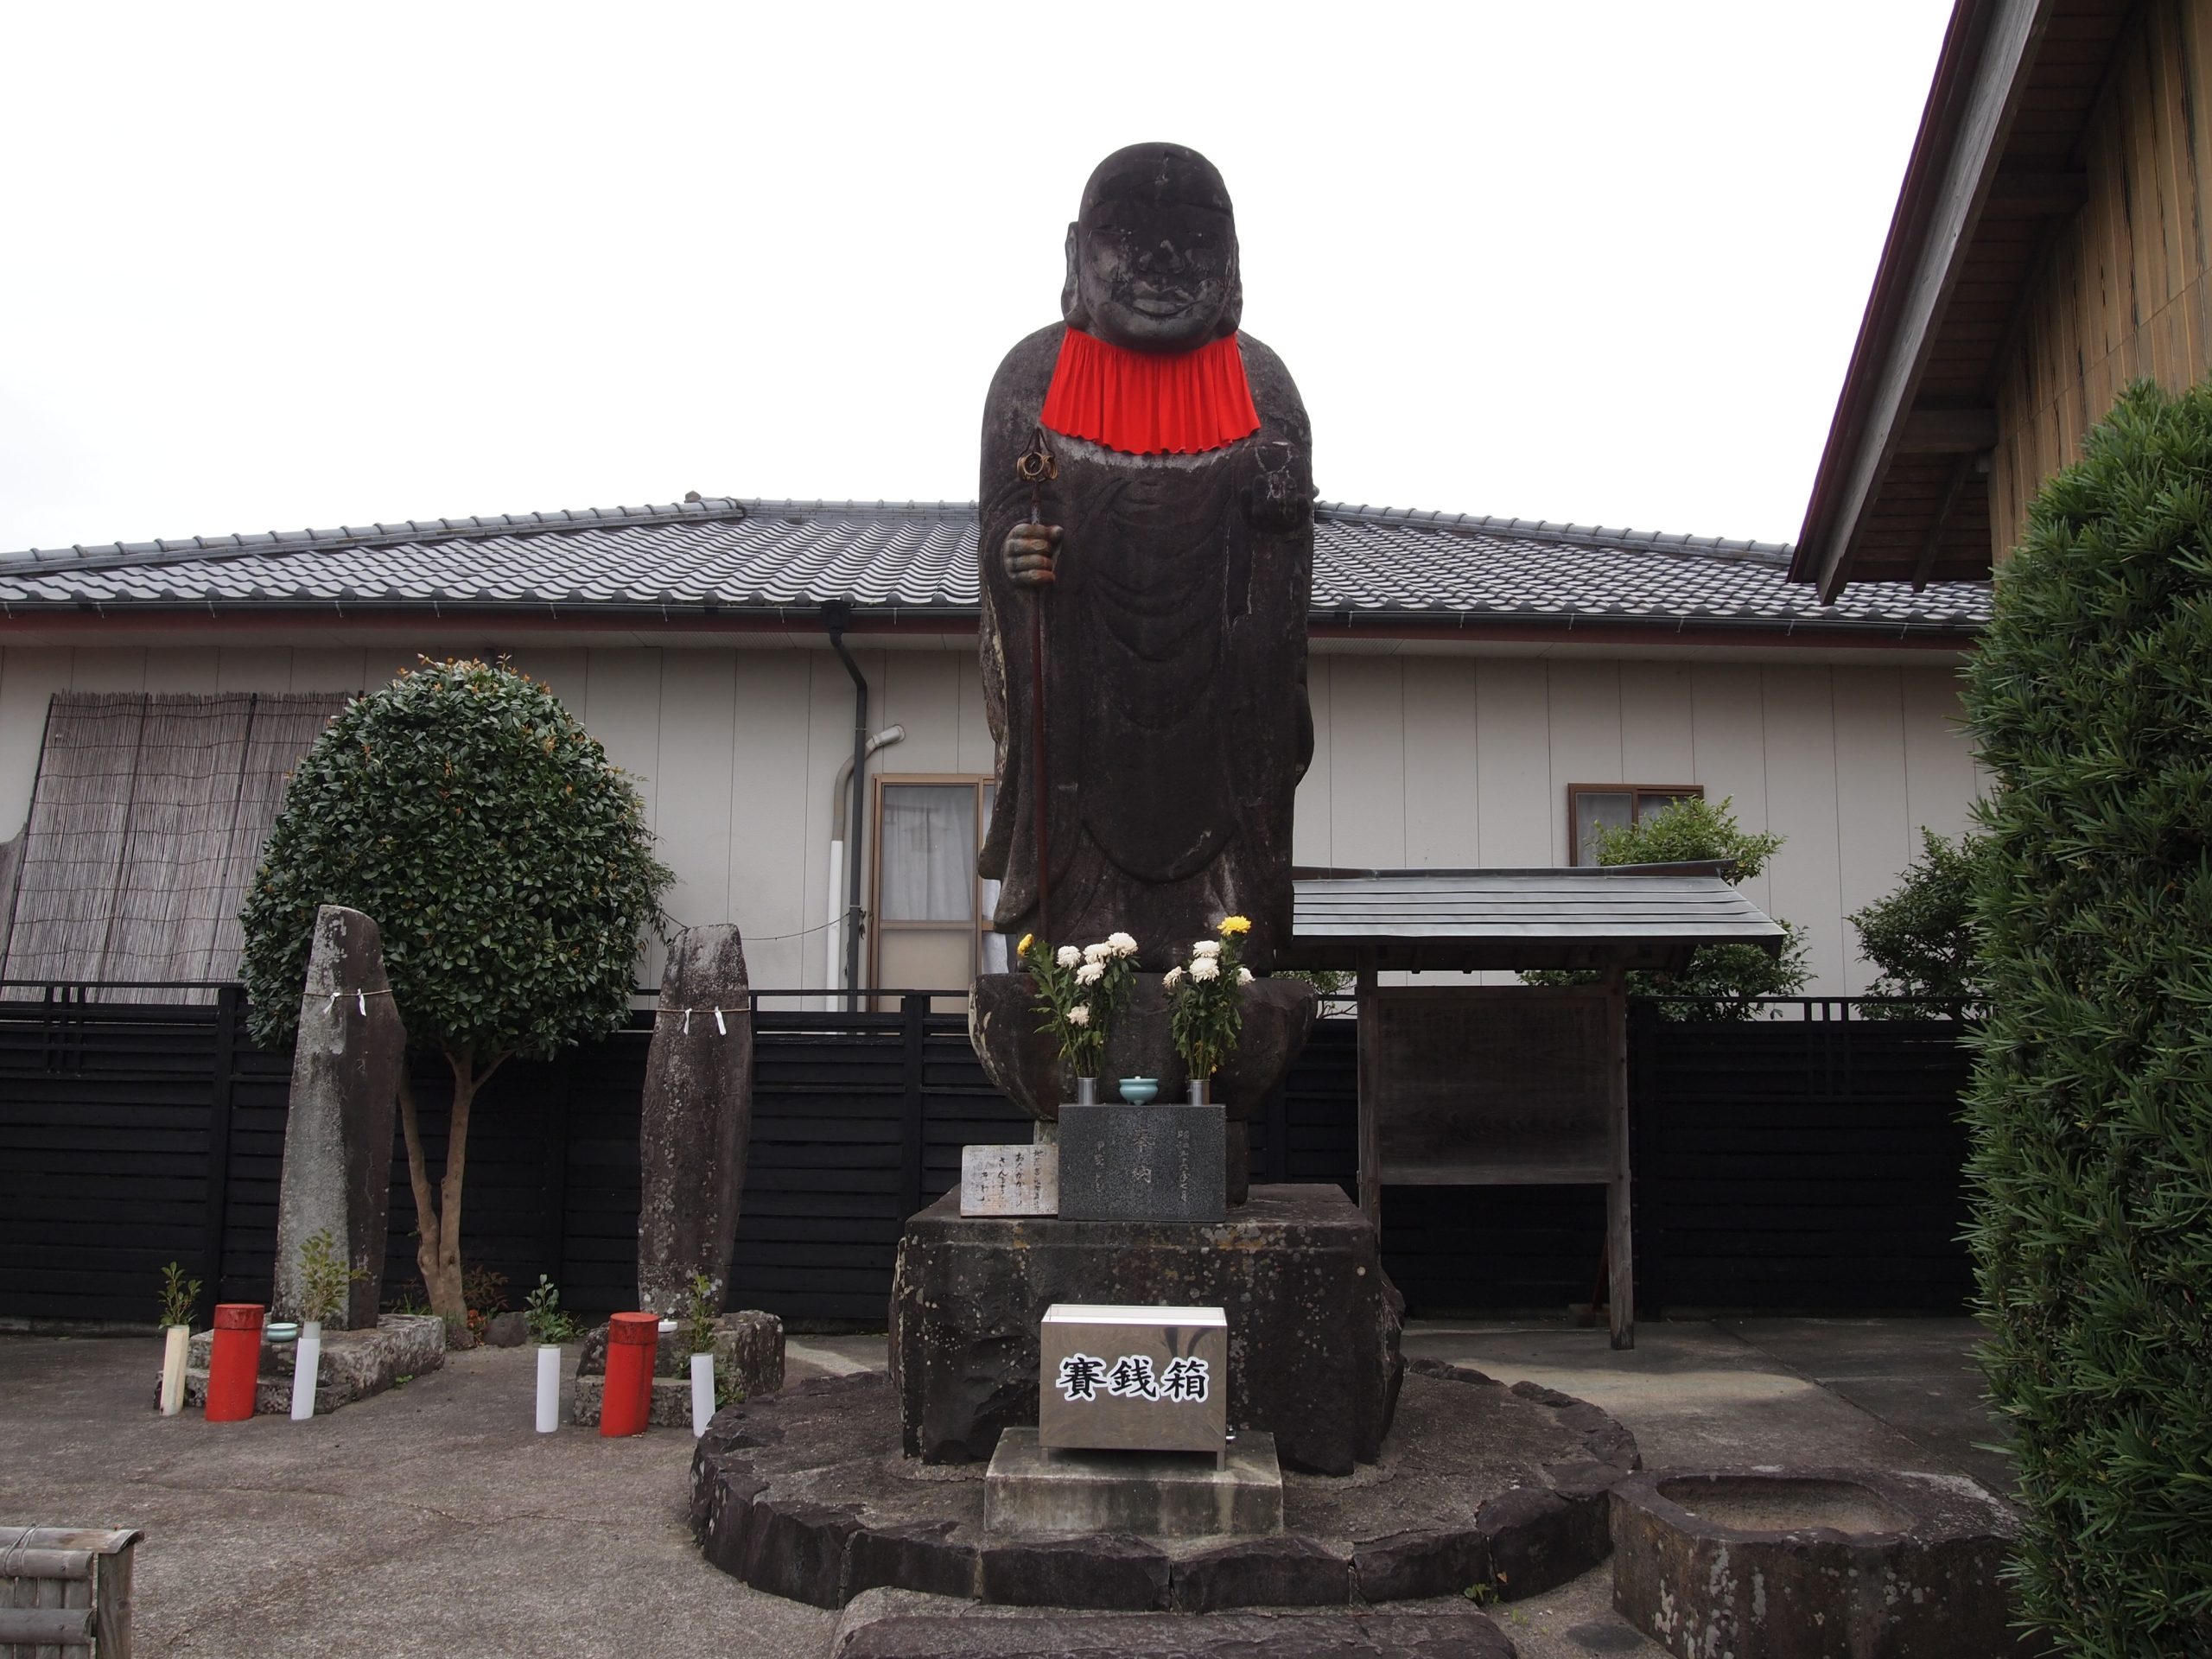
(1206, 999)
(699, 1314)
(1481, 1594)
(410, 1299)
(1722, 981)
(542, 1312)
(485, 1291)
(324, 1277)
(1921, 935)
(180, 1296)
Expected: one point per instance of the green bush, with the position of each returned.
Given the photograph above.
(508, 868)
(1722, 980)
(2091, 1107)
(1921, 935)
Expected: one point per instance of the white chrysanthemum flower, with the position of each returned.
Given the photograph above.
(1171, 979)
(1096, 952)
(1090, 973)
(1121, 944)
(1205, 968)
(1067, 955)
(1243, 976)
(1206, 948)
(1079, 1015)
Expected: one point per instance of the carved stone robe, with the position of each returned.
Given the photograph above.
(1174, 670)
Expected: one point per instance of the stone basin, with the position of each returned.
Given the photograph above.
(1813, 1564)
(1765, 1503)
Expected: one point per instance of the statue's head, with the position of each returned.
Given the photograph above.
(1151, 260)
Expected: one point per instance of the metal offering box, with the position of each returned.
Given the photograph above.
(1133, 1379)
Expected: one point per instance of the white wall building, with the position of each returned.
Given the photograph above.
(1468, 676)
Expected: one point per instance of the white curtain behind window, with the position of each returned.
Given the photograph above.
(929, 852)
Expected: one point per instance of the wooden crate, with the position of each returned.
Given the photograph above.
(65, 1591)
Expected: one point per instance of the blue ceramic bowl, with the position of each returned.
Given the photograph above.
(1140, 1091)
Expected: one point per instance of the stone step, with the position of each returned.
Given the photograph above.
(898, 1624)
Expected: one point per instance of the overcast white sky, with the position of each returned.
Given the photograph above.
(317, 264)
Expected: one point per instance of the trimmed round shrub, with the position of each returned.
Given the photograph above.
(2091, 1107)
(507, 865)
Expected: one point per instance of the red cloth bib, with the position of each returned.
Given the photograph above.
(1144, 403)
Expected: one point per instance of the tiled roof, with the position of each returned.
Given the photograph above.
(730, 557)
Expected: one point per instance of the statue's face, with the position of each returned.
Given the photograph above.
(1155, 254)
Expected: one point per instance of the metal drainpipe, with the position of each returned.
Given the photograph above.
(835, 617)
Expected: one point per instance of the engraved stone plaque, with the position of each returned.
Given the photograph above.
(1133, 1379)
(1009, 1180)
(1161, 1161)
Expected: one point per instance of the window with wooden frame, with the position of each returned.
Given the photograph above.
(932, 927)
(1591, 808)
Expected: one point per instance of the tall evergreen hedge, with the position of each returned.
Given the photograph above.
(2091, 1110)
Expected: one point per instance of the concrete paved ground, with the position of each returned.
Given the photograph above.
(431, 1521)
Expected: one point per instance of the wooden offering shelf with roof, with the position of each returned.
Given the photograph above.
(1495, 1085)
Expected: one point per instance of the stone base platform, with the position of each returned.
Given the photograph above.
(806, 1494)
(1033, 1492)
(354, 1365)
(897, 1624)
(1313, 1322)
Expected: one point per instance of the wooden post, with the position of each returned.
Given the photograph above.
(1620, 1258)
(1370, 1166)
(229, 1006)
(913, 1016)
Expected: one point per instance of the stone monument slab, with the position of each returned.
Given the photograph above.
(696, 1122)
(346, 1069)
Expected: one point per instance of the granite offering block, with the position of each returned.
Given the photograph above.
(1313, 1323)
(1032, 1492)
(1161, 1161)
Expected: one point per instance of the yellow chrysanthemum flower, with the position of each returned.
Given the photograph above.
(1235, 924)
(1022, 949)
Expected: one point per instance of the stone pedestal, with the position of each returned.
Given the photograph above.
(1314, 1324)
(1032, 1491)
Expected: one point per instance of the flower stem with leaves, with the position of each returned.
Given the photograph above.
(1206, 999)
(1080, 991)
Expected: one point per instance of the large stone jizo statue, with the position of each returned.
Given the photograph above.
(1163, 564)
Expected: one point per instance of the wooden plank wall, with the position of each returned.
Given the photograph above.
(2121, 293)
(1806, 1167)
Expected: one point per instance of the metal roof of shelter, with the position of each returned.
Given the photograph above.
(1621, 916)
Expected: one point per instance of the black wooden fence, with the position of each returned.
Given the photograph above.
(1800, 1164)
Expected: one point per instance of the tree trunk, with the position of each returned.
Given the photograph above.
(437, 1207)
